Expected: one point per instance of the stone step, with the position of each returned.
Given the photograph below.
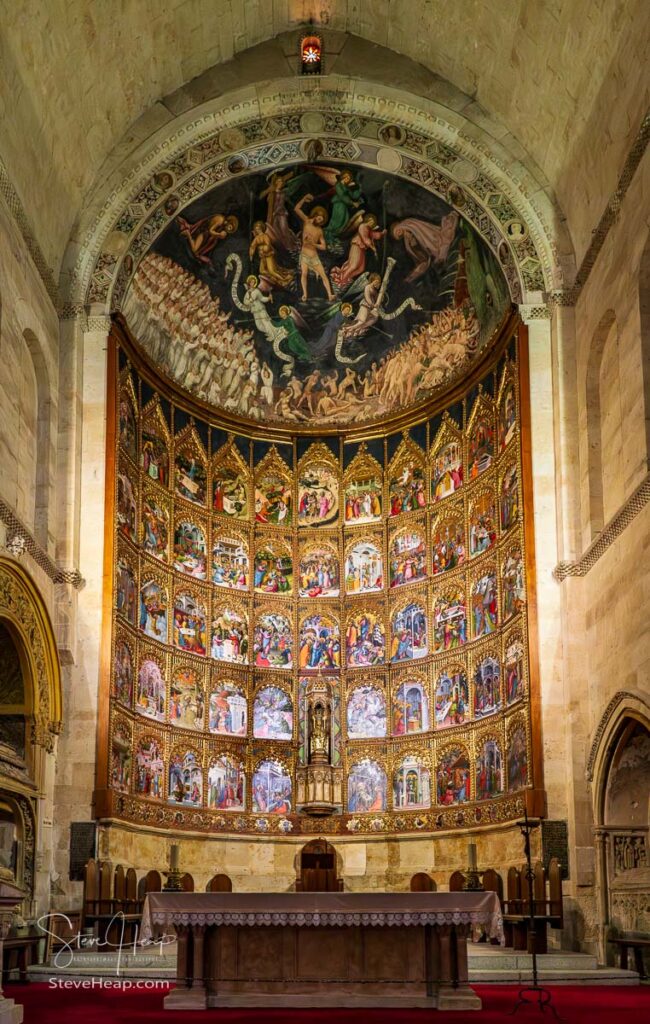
(483, 957)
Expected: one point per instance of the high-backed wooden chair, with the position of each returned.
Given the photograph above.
(556, 912)
(456, 881)
(492, 882)
(515, 931)
(318, 868)
(422, 882)
(219, 883)
(187, 882)
(151, 882)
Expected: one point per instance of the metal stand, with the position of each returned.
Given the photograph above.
(534, 993)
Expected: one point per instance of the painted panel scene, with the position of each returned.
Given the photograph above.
(366, 788)
(409, 633)
(319, 573)
(338, 294)
(226, 785)
(452, 699)
(271, 789)
(366, 713)
(364, 569)
(365, 641)
(273, 642)
(272, 714)
(227, 711)
(453, 784)
(410, 709)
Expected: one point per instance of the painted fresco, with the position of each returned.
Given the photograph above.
(365, 641)
(487, 688)
(127, 507)
(319, 573)
(273, 502)
(406, 491)
(125, 595)
(480, 445)
(452, 698)
(154, 457)
(410, 709)
(186, 700)
(412, 785)
(272, 714)
(449, 621)
(507, 417)
(190, 550)
(320, 643)
(489, 771)
(318, 495)
(230, 568)
(123, 674)
(121, 758)
(230, 636)
(190, 478)
(448, 544)
(407, 558)
(273, 641)
(155, 527)
(366, 713)
(482, 524)
(185, 779)
(151, 691)
(229, 492)
(514, 671)
(228, 715)
(509, 498)
(447, 470)
(485, 610)
(338, 293)
(409, 633)
(153, 611)
(366, 787)
(190, 624)
(363, 500)
(273, 569)
(128, 436)
(453, 782)
(364, 569)
(517, 758)
(226, 784)
(271, 789)
(149, 768)
(512, 584)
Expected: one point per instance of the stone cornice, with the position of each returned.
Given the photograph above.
(20, 540)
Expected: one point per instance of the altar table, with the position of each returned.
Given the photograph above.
(322, 949)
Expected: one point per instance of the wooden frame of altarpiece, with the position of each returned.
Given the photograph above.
(126, 808)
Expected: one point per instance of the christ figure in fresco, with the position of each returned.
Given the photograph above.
(313, 240)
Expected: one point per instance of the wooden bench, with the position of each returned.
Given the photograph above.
(637, 944)
(547, 910)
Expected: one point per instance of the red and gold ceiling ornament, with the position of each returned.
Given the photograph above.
(311, 54)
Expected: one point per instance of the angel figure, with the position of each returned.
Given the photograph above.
(263, 247)
(290, 321)
(425, 242)
(277, 217)
(205, 234)
(364, 239)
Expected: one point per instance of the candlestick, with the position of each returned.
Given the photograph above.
(174, 857)
(471, 853)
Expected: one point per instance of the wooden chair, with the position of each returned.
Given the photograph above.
(187, 882)
(492, 882)
(422, 882)
(547, 909)
(219, 883)
(513, 923)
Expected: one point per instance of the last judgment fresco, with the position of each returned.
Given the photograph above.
(355, 607)
(316, 293)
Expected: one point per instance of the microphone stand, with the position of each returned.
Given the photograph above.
(534, 993)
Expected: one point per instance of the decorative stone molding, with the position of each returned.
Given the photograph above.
(17, 211)
(529, 313)
(22, 606)
(622, 696)
(98, 323)
(625, 515)
(20, 540)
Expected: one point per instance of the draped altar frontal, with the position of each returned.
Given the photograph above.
(322, 949)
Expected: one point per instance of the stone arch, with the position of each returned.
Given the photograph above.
(607, 328)
(621, 845)
(441, 115)
(23, 612)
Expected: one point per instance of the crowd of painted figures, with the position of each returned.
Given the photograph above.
(195, 342)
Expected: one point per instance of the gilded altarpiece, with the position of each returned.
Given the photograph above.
(264, 579)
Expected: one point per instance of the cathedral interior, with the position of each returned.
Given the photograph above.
(325, 455)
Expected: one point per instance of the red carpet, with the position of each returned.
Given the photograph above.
(575, 1004)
